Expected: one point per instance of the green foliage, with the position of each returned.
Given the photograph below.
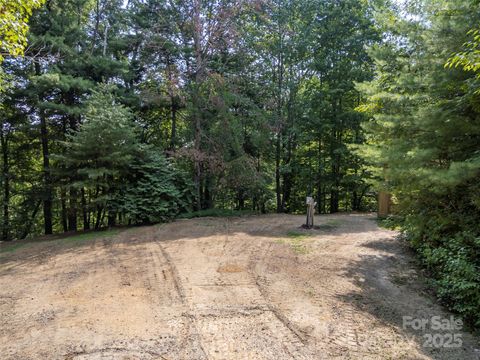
(80, 239)
(105, 158)
(258, 113)
(423, 143)
(14, 16)
(12, 247)
(153, 190)
(449, 245)
(99, 154)
(469, 59)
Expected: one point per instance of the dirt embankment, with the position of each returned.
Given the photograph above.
(241, 288)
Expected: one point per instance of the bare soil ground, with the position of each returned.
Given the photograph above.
(214, 288)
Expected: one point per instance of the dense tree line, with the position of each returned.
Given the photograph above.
(424, 139)
(125, 112)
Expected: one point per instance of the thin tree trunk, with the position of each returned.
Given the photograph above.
(6, 188)
(99, 217)
(73, 193)
(198, 164)
(63, 200)
(278, 144)
(72, 210)
(277, 173)
(197, 34)
(97, 24)
(102, 216)
(334, 191)
(47, 202)
(47, 198)
(112, 215)
(173, 105)
(173, 135)
(287, 178)
(86, 220)
(27, 228)
(207, 194)
(335, 158)
(319, 178)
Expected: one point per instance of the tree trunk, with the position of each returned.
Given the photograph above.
(86, 220)
(280, 73)
(47, 202)
(319, 177)
(335, 158)
(73, 193)
(277, 173)
(29, 224)
(173, 135)
(207, 193)
(173, 105)
(99, 217)
(63, 200)
(112, 215)
(197, 40)
(72, 210)
(198, 164)
(47, 197)
(287, 178)
(6, 188)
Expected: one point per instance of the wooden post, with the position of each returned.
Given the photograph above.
(310, 211)
(384, 203)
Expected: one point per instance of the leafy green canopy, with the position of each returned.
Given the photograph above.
(14, 15)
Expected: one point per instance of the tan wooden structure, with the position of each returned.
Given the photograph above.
(384, 204)
(310, 211)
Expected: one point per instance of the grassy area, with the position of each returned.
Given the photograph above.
(12, 247)
(84, 237)
(77, 239)
(329, 225)
(298, 235)
(296, 240)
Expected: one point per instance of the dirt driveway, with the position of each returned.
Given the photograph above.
(213, 288)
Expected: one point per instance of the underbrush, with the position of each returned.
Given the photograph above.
(449, 247)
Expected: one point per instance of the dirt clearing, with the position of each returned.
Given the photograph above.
(214, 288)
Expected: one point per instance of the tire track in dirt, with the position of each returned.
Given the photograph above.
(223, 296)
(214, 288)
(192, 336)
(151, 290)
(260, 283)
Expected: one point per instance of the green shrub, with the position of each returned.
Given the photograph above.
(449, 246)
(154, 190)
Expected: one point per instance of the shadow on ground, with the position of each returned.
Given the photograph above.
(393, 290)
